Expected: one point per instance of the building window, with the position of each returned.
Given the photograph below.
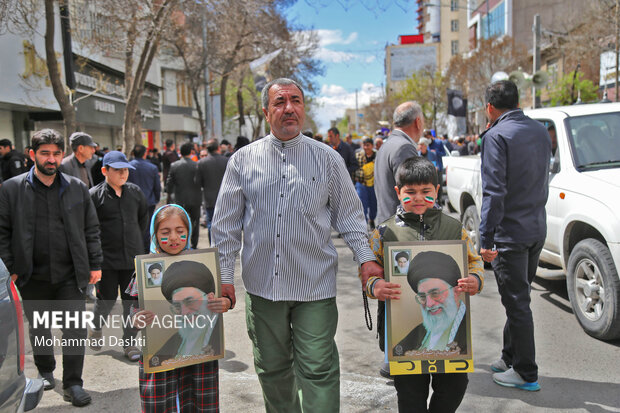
(454, 45)
(454, 5)
(454, 25)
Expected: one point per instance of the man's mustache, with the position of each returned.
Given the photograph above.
(287, 117)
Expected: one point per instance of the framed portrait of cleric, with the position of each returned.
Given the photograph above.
(428, 329)
(184, 331)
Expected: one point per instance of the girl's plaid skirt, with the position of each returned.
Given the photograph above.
(197, 388)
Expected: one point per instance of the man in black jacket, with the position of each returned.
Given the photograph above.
(51, 213)
(12, 162)
(515, 170)
(123, 215)
(210, 174)
(183, 183)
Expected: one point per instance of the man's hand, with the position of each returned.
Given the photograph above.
(95, 277)
(488, 255)
(228, 290)
(384, 290)
(14, 277)
(469, 285)
(369, 269)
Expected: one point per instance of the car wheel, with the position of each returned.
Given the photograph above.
(594, 289)
(471, 223)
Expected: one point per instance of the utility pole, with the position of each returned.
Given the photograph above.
(536, 58)
(356, 115)
(208, 116)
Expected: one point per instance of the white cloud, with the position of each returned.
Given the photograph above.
(334, 37)
(335, 56)
(327, 37)
(335, 99)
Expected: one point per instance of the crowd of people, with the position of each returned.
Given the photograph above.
(274, 203)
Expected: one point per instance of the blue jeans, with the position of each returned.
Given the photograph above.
(208, 218)
(369, 200)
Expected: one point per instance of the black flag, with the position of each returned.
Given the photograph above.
(457, 106)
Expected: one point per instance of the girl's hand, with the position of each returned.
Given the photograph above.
(142, 319)
(384, 290)
(217, 305)
(469, 285)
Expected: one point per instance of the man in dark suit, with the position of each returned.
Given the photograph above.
(183, 183)
(146, 176)
(210, 174)
(401, 144)
(444, 326)
(343, 148)
(77, 164)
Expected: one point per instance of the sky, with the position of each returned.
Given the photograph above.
(352, 48)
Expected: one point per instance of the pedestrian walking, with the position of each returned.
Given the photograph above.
(515, 169)
(12, 162)
(343, 148)
(146, 176)
(169, 157)
(401, 144)
(183, 184)
(279, 198)
(123, 215)
(211, 171)
(49, 241)
(365, 181)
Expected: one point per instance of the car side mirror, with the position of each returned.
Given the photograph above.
(554, 166)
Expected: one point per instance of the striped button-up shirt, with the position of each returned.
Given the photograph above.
(284, 197)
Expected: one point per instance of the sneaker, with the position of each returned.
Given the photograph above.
(132, 353)
(48, 380)
(94, 337)
(511, 378)
(385, 371)
(499, 366)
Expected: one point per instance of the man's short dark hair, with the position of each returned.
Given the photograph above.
(186, 148)
(334, 130)
(212, 146)
(368, 140)
(225, 142)
(6, 142)
(416, 171)
(139, 151)
(47, 137)
(502, 94)
(283, 81)
(169, 143)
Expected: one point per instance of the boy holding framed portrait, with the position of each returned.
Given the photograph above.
(428, 336)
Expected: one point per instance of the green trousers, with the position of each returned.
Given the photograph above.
(295, 354)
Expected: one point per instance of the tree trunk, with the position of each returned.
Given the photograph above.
(66, 107)
(240, 109)
(201, 119)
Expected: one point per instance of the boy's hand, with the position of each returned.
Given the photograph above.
(369, 269)
(217, 305)
(384, 290)
(469, 285)
(142, 319)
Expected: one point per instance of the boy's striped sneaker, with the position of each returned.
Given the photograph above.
(511, 378)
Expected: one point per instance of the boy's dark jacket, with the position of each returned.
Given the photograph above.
(123, 222)
(407, 226)
(17, 218)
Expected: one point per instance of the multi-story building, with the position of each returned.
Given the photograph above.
(444, 22)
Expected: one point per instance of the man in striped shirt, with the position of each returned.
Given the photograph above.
(279, 199)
